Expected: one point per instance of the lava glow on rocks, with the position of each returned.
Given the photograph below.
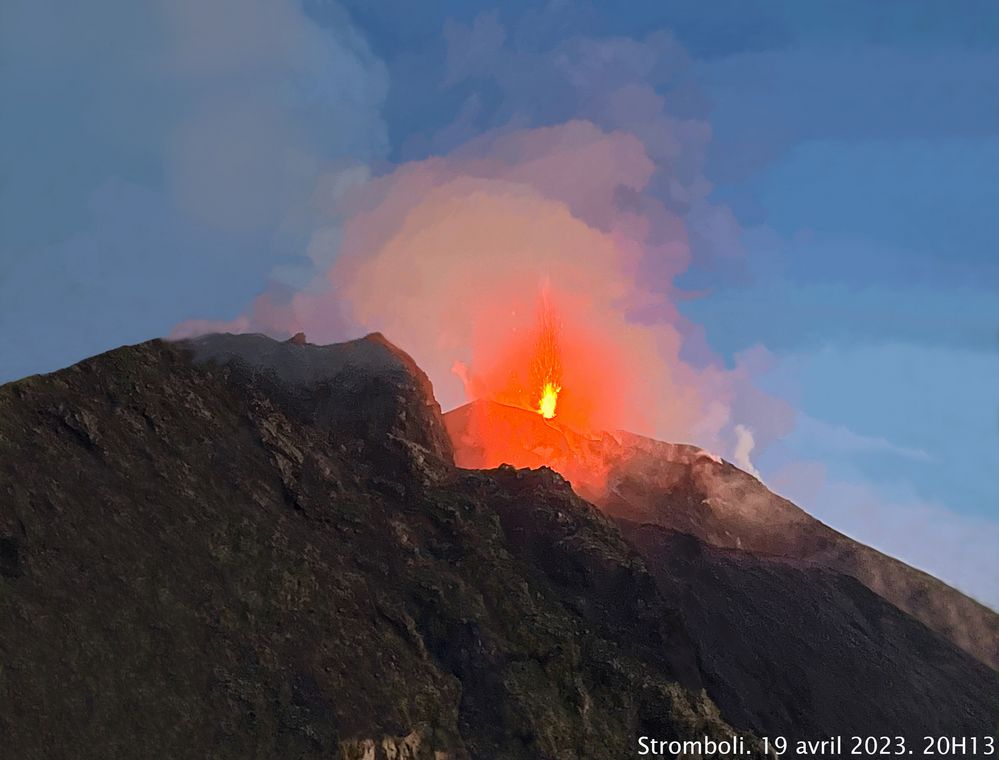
(545, 354)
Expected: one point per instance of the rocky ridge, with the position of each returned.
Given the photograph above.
(683, 488)
(239, 548)
(236, 547)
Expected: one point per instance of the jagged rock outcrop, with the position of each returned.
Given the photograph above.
(367, 389)
(239, 548)
(683, 488)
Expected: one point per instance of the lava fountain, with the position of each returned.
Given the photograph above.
(548, 379)
(547, 363)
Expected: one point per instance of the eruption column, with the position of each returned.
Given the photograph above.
(546, 371)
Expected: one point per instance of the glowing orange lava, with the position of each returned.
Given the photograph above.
(549, 398)
(546, 365)
(547, 353)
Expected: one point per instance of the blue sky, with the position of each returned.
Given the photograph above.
(159, 164)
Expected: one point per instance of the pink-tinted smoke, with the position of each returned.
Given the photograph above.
(447, 257)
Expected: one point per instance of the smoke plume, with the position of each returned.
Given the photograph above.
(448, 257)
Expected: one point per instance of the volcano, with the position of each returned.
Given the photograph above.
(237, 547)
(686, 489)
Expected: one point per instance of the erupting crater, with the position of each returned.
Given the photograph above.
(547, 363)
(534, 404)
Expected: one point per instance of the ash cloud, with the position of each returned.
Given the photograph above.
(447, 256)
(160, 160)
(744, 445)
(578, 175)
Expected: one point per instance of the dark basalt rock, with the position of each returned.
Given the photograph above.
(366, 389)
(235, 547)
(792, 648)
(240, 548)
(687, 490)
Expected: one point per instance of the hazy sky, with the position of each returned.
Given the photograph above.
(834, 169)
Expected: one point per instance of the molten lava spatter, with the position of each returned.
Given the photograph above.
(549, 398)
(546, 370)
(542, 352)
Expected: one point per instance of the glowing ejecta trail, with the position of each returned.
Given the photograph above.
(547, 365)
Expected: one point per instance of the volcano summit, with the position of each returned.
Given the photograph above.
(234, 547)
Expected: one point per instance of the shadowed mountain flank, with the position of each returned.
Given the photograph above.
(683, 488)
(791, 647)
(235, 547)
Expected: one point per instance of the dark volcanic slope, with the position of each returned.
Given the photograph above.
(266, 552)
(677, 487)
(790, 642)
(785, 644)
(685, 489)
